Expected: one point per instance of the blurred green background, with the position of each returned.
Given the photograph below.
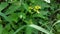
(29, 16)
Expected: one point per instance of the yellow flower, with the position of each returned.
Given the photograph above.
(37, 11)
(37, 7)
(30, 7)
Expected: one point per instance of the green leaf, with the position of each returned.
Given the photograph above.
(58, 16)
(25, 5)
(40, 15)
(20, 28)
(58, 21)
(5, 17)
(1, 29)
(13, 17)
(57, 27)
(22, 15)
(39, 28)
(3, 5)
(12, 9)
(29, 30)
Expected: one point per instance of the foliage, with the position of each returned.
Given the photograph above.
(29, 17)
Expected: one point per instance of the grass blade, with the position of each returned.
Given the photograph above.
(39, 28)
(19, 29)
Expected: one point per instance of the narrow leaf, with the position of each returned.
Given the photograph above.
(39, 28)
(3, 5)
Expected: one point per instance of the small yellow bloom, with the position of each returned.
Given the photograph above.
(37, 7)
(36, 10)
(30, 7)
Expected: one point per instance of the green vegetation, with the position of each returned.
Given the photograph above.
(29, 17)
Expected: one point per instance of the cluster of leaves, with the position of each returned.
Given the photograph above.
(29, 17)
